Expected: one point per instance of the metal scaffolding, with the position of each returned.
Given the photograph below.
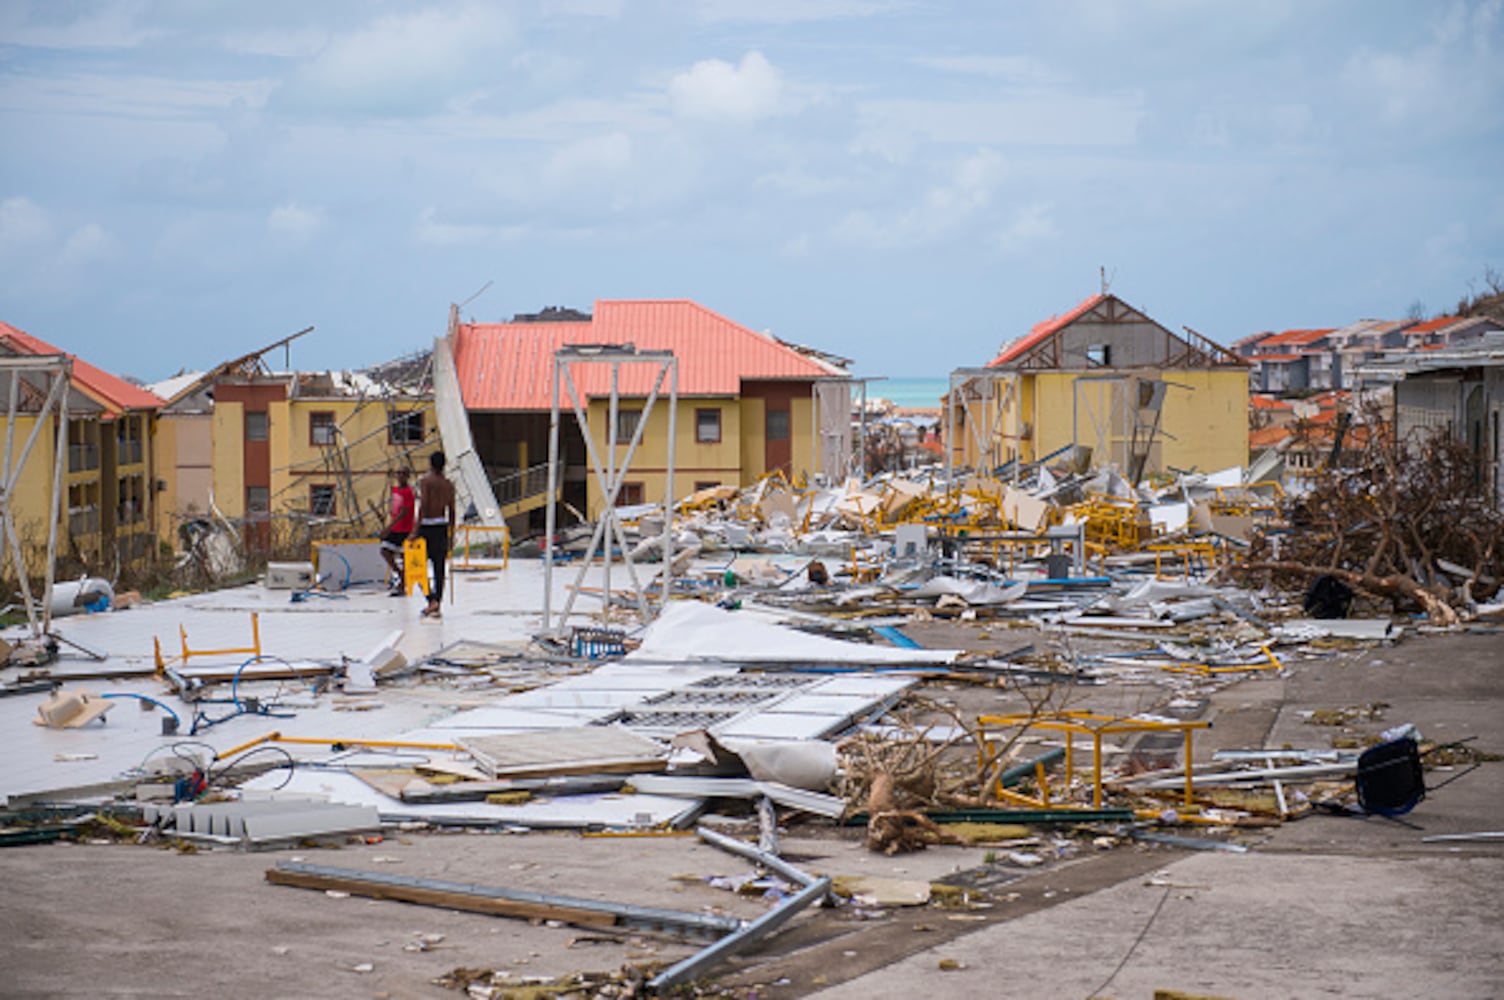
(609, 475)
(57, 371)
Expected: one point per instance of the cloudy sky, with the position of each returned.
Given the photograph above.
(909, 183)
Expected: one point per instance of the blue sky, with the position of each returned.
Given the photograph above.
(910, 184)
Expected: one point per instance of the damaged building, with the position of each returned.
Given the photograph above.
(1109, 380)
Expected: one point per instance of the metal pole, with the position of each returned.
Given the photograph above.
(65, 377)
(862, 434)
(668, 488)
(609, 512)
(550, 522)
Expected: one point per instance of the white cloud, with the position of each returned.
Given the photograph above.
(38, 257)
(716, 90)
(942, 211)
(49, 26)
(1449, 84)
(129, 96)
(295, 222)
(1031, 226)
(431, 231)
(588, 160)
(892, 129)
(791, 11)
(289, 43)
(607, 9)
(24, 225)
(1014, 69)
(85, 245)
(404, 64)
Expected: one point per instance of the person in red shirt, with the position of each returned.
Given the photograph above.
(404, 505)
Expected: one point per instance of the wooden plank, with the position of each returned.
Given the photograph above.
(452, 900)
(574, 750)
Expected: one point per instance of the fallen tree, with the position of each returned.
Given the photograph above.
(1408, 521)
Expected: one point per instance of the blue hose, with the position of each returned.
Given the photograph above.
(149, 701)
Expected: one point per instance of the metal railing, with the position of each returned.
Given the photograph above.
(519, 486)
(82, 457)
(84, 521)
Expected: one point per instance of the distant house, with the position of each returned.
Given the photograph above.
(1449, 331)
(1291, 360)
(1107, 377)
(1459, 389)
(109, 480)
(749, 404)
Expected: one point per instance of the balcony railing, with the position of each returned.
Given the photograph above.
(128, 452)
(518, 486)
(83, 457)
(83, 522)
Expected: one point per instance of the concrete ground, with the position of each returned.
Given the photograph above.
(1324, 906)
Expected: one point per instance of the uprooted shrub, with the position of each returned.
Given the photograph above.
(1410, 521)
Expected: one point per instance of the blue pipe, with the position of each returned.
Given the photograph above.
(149, 701)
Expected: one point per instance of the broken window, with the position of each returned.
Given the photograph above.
(321, 500)
(1099, 355)
(130, 507)
(256, 425)
(321, 428)
(406, 428)
(708, 426)
(626, 424)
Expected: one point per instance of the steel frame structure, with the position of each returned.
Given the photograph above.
(609, 475)
(58, 370)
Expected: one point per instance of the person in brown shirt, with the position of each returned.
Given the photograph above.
(435, 526)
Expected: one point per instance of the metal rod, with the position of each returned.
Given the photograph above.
(741, 848)
(645, 917)
(694, 965)
(551, 517)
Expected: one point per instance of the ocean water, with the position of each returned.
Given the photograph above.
(910, 392)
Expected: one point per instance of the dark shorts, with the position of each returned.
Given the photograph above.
(392, 540)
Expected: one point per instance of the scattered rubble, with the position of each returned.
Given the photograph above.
(786, 683)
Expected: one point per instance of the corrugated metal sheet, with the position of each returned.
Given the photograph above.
(509, 366)
(110, 391)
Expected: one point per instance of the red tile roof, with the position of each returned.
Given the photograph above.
(509, 366)
(115, 394)
(1042, 330)
(1432, 325)
(1268, 403)
(1295, 338)
(1277, 357)
(1267, 437)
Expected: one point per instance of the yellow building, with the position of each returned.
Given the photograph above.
(109, 483)
(291, 455)
(1106, 378)
(748, 404)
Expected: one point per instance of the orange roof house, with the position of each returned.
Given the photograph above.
(748, 402)
(109, 496)
(115, 394)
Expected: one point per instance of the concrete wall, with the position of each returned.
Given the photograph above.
(1203, 426)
